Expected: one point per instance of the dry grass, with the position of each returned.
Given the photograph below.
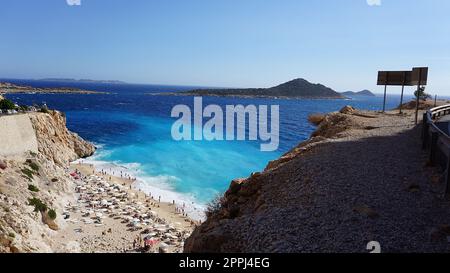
(316, 119)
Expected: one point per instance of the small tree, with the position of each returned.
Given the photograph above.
(52, 214)
(38, 205)
(421, 94)
(6, 104)
(32, 188)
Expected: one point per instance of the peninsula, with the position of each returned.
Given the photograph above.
(6, 87)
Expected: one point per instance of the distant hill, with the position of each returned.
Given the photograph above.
(298, 88)
(81, 80)
(360, 93)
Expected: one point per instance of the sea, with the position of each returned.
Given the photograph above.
(132, 131)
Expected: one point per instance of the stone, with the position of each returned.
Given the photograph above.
(347, 110)
(49, 222)
(235, 185)
(3, 165)
(14, 249)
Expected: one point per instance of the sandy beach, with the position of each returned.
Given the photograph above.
(111, 216)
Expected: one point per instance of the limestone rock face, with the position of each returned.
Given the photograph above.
(22, 229)
(56, 142)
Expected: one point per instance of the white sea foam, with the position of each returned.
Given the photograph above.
(156, 186)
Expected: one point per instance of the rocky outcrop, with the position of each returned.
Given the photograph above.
(22, 227)
(33, 183)
(55, 141)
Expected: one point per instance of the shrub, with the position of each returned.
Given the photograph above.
(6, 104)
(33, 166)
(214, 206)
(33, 154)
(38, 204)
(54, 180)
(32, 188)
(12, 235)
(44, 110)
(316, 119)
(28, 173)
(52, 214)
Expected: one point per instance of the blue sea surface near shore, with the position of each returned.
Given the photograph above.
(133, 133)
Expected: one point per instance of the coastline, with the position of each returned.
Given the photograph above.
(193, 209)
(9, 88)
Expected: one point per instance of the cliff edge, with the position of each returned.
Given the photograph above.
(55, 141)
(34, 185)
(361, 177)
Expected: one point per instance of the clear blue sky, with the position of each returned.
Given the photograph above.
(235, 43)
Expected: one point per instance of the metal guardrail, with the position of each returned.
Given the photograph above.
(437, 140)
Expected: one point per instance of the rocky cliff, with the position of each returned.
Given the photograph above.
(359, 178)
(34, 185)
(55, 141)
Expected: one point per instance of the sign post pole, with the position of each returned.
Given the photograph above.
(418, 95)
(385, 89)
(403, 89)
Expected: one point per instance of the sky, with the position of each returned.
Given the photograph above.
(226, 43)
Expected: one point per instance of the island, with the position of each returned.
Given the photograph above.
(365, 92)
(297, 88)
(6, 87)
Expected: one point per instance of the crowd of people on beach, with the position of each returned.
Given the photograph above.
(110, 173)
(99, 198)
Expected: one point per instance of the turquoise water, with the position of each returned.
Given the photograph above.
(133, 133)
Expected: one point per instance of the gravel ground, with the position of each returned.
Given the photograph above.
(366, 182)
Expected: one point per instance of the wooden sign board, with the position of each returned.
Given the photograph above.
(395, 78)
(419, 76)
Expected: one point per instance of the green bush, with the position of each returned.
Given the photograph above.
(33, 188)
(28, 173)
(12, 235)
(44, 110)
(7, 105)
(54, 180)
(33, 166)
(52, 214)
(38, 204)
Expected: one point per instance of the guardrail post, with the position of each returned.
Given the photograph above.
(425, 128)
(447, 177)
(433, 148)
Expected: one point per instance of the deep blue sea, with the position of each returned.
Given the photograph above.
(133, 133)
